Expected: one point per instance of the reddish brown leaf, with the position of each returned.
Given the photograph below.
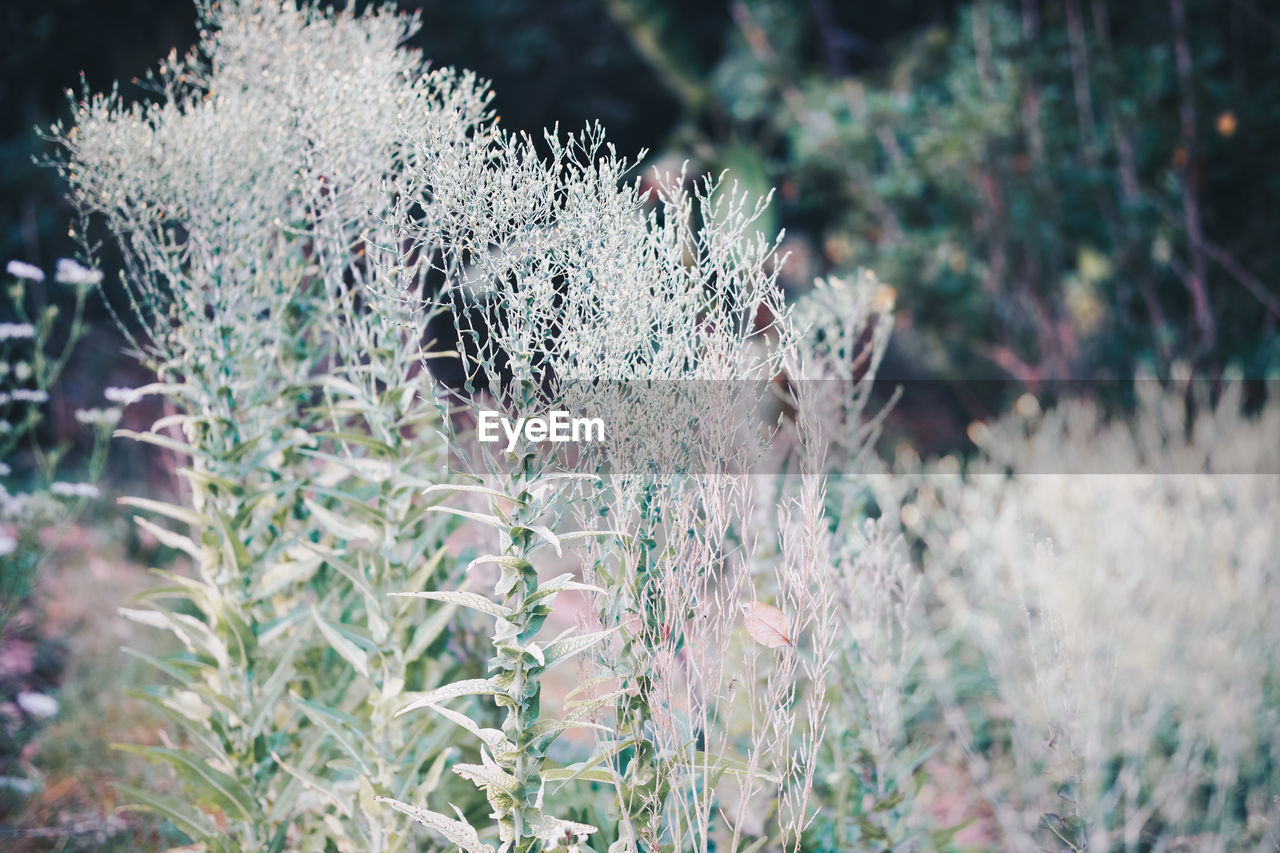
(766, 624)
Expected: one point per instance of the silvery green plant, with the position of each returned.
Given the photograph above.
(524, 509)
(1125, 610)
(869, 768)
(247, 201)
(30, 366)
(250, 271)
(569, 282)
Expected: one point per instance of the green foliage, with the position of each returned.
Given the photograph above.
(308, 425)
(1056, 189)
(513, 757)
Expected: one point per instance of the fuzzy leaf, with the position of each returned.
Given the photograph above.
(582, 710)
(455, 831)
(488, 776)
(462, 599)
(467, 687)
(492, 738)
(546, 534)
(563, 583)
(515, 564)
(553, 828)
(570, 774)
(545, 732)
(512, 569)
(490, 520)
(562, 650)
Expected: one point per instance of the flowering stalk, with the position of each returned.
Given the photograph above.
(510, 772)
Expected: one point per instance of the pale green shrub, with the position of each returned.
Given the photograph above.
(576, 295)
(584, 288)
(298, 174)
(1121, 586)
(248, 204)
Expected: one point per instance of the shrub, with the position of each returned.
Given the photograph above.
(286, 208)
(247, 202)
(1118, 584)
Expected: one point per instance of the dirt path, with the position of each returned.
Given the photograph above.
(63, 676)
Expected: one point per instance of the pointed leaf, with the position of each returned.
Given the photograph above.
(562, 650)
(346, 649)
(488, 776)
(177, 513)
(194, 823)
(459, 487)
(462, 599)
(455, 832)
(493, 738)
(212, 786)
(339, 526)
(467, 687)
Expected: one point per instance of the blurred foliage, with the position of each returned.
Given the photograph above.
(1057, 189)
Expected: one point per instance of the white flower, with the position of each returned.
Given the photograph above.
(122, 396)
(24, 787)
(98, 417)
(7, 544)
(5, 426)
(20, 269)
(5, 470)
(70, 272)
(74, 490)
(16, 331)
(38, 704)
(25, 395)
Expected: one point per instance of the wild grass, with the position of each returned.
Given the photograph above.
(766, 662)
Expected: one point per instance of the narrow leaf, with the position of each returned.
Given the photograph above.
(466, 687)
(562, 650)
(455, 831)
(346, 649)
(462, 599)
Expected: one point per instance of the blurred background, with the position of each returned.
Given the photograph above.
(1070, 190)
